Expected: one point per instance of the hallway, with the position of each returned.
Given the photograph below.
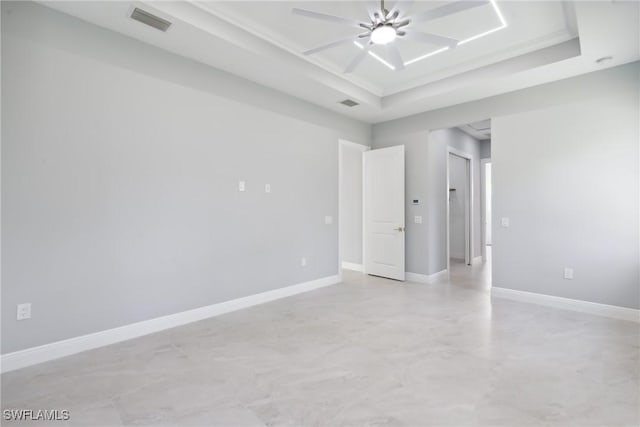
(476, 276)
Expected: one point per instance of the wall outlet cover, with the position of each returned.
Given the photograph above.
(504, 221)
(241, 186)
(328, 219)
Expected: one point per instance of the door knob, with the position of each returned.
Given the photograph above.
(401, 229)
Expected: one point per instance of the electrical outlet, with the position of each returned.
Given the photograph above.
(303, 262)
(568, 273)
(328, 219)
(24, 311)
(241, 186)
(504, 221)
(267, 188)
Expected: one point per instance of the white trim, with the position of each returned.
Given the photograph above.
(350, 144)
(424, 278)
(362, 148)
(31, 356)
(477, 260)
(597, 309)
(352, 266)
(483, 206)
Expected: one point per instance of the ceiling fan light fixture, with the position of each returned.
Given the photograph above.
(383, 27)
(383, 34)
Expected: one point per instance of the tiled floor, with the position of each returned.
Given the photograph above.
(368, 351)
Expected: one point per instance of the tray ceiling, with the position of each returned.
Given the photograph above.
(529, 26)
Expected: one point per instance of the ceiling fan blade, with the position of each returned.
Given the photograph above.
(431, 38)
(394, 56)
(403, 23)
(325, 17)
(372, 6)
(358, 58)
(392, 15)
(329, 45)
(447, 9)
(402, 7)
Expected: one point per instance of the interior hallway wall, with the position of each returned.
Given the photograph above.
(120, 171)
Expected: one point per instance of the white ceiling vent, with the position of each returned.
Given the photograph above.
(150, 20)
(349, 103)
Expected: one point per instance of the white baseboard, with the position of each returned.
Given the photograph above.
(425, 278)
(352, 266)
(31, 356)
(613, 311)
(477, 260)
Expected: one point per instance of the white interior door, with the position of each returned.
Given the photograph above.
(383, 172)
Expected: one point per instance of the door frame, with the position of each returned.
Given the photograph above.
(469, 214)
(362, 149)
(483, 202)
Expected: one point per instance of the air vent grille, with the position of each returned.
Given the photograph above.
(349, 103)
(150, 20)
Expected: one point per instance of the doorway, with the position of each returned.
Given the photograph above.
(350, 198)
(459, 207)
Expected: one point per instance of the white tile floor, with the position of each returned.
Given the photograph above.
(368, 351)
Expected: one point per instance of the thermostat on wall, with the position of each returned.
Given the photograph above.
(415, 202)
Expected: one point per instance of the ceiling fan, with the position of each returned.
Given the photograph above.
(383, 27)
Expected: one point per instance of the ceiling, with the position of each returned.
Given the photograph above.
(479, 130)
(528, 43)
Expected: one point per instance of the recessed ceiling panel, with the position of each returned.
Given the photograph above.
(529, 26)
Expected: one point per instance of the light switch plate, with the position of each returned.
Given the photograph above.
(24, 311)
(241, 186)
(568, 273)
(328, 219)
(417, 219)
(303, 262)
(504, 221)
(267, 188)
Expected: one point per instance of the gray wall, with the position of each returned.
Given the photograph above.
(580, 135)
(351, 204)
(567, 177)
(120, 168)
